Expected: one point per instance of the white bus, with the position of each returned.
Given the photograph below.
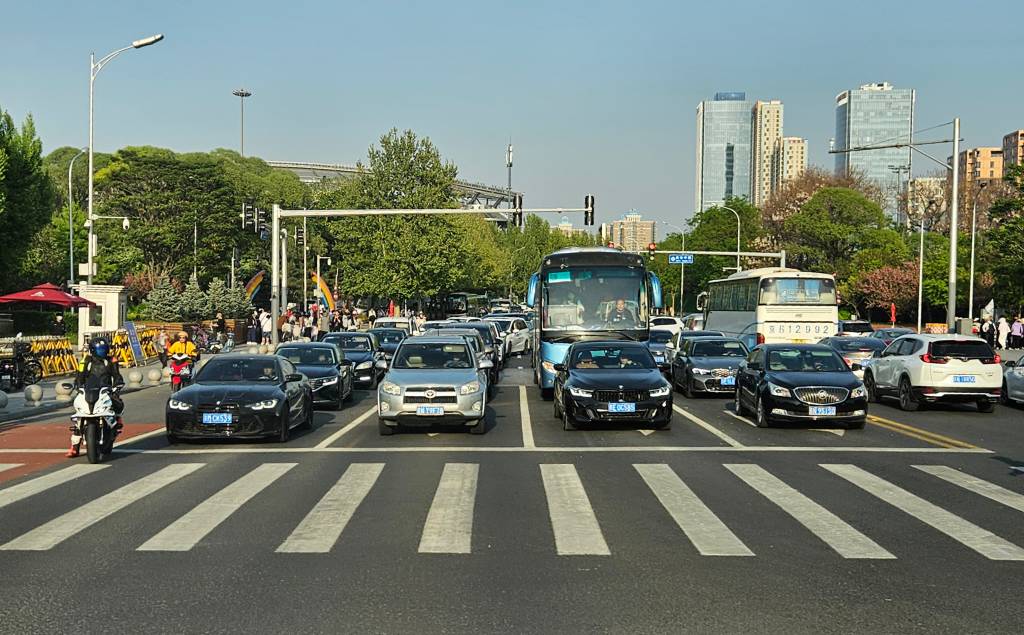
(772, 305)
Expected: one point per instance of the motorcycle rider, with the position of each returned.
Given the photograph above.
(183, 346)
(97, 370)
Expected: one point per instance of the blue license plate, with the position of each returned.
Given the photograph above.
(622, 407)
(964, 379)
(823, 411)
(216, 417)
(728, 381)
(430, 411)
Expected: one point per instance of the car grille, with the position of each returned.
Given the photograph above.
(722, 372)
(213, 407)
(437, 394)
(620, 395)
(821, 395)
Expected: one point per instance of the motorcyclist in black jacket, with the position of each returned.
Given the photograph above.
(97, 370)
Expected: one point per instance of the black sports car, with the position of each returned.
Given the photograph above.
(241, 396)
(325, 366)
(799, 382)
(388, 339)
(611, 382)
(363, 350)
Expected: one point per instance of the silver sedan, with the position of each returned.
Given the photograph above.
(1013, 382)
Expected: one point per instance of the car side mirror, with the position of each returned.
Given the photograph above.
(559, 368)
(876, 354)
(754, 366)
(485, 364)
(855, 367)
(1009, 363)
(663, 365)
(669, 344)
(381, 364)
(292, 378)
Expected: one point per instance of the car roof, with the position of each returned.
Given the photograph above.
(444, 332)
(799, 347)
(305, 345)
(943, 337)
(603, 343)
(434, 339)
(382, 329)
(719, 338)
(700, 334)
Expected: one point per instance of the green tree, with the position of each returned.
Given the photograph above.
(193, 303)
(162, 303)
(714, 229)
(1004, 242)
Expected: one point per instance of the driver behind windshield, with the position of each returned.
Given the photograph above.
(621, 314)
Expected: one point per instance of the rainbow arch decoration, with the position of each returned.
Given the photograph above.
(326, 297)
(254, 283)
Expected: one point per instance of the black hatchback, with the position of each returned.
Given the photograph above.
(799, 382)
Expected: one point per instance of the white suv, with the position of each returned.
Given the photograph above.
(667, 323)
(931, 368)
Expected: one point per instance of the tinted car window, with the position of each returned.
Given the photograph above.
(389, 336)
(962, 349)
(663, 322)
(856, 344)
(718, 349)
(856, 327)
(660, 337)
(906, 347)
(502, 324)
(482, 327)
(243, 370)
(433, 356)
(612, 357)
(319, 356)
(805, 360)
(351, 342)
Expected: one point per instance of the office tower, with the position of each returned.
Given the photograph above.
(723, 149)
(766, 139)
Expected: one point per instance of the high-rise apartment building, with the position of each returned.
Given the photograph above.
(789, 162)
(766, 139)
(723, 149)
(875, 115)
(1013, 149)
(631, 233)
(980, 165)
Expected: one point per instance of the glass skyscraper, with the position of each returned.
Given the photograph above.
(723, 149)
(875, 115)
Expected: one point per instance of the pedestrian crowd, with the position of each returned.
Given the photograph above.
(1003, 333)
(311, 323)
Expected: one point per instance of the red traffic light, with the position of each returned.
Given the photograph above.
(651, 247)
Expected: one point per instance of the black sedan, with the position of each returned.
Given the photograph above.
(707, 365)
(799, 382)
(325, 366)
(388, 339)
(241, 396)
(363, 351)
(611, 382)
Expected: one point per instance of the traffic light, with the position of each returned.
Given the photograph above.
(588, 204)
(248, 216)
(651, 247)
(261, 221)
(300, 237)
(517, 214)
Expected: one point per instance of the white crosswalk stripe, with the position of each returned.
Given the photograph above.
(981, 540)
(449, 526)
(575, 526)
(832, 530)
(704, 529)
(9, 466)
(976, 485)
(50, 534)
(184, 533)
(320, 529)
(39, 484)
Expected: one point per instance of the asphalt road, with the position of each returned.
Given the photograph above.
(912, 524)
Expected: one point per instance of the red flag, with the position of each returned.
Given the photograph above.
(391, 308)
(892, 313)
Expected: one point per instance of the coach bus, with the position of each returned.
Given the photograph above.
(772, 305)
(576, 293)
(461, 304)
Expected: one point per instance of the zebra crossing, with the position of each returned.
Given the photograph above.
(575, 526)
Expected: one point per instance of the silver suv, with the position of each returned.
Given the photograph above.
(433, 380)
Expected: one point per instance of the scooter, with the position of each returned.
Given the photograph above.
(181, 370)
(95, 421)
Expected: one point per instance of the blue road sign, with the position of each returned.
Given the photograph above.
(680, 259)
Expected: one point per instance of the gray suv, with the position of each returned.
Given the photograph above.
(433, 380)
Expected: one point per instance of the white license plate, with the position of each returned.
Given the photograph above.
(216, 417)
(5, 376)
(622, 407)
(728, 381)
(430, 411)
(964, 379)
(823, 411)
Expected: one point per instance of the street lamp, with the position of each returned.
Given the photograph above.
(735, 213)
(242, 93)
(94, 70)
(71, 221)
(682, 267)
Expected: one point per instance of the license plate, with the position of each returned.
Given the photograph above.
(430, 411)
(5, 376)
(622, 407)
(216, 417)
(964, 379)
(728, 381)
(823, 411)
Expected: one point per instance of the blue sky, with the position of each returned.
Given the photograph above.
(597, 97)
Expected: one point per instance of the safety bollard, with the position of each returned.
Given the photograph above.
(33, 395)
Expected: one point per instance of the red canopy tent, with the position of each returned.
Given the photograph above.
(47, 293)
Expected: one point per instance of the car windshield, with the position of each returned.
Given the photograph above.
(351, 342)
(856, 327)
(612, 358)
(806, 360)
(308, 355)
(800, 291)
(893, 333)
(389, 336)
(719, 348)
(482, 328)
(857, 344)
(663, 322)
(594, 299)
(228, 369)
(432, 356)
(503, 325)
(660, 337)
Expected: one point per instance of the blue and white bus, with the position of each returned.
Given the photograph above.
(588, 293)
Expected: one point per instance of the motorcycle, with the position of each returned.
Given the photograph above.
(21, 370)
(96, 421)
(181, 370)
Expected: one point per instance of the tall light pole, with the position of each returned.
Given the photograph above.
(71, 221)
(508, 163)
(974, 227)
(953, 229)
(735, 213)
(920, 266)
(242, 93)
(94, 70)
(682, 268)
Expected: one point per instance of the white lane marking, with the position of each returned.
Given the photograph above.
(572, 518)
(704, 529)
(740, 417)
(322, 526)
(1017, 468)
(50, 534)
(337, 435)
(707, 426)
(524, 415)
(646, 433)
(836, 431)
(970, 535)
(187, 531)
(9, 466)
(976, 485)
(17, 492)
(433, 434)
(140, 437)
(449, 526)
(566, 449)
(831, 529)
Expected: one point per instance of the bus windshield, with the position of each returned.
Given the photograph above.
(798, 291)
(594, 299)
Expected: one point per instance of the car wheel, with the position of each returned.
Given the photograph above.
(285, 432)
(384, 429)
(1004, 395)
(557, 410)
(480, 427)
(664, 425)
(871, 388)
(855, 425)
(567, 423)
(172, 438)
(738, 403)
(907, 401)
(547, 393)
(762, 417)
(307, 419)
(688, 387)
(986, 405)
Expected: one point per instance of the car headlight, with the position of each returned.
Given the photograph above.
(580, 392)
(548, 366)
(174, 404)
(327, 381)
(779, 391)
(368, 364)
(266, 404)
(701, 371)
(391, 388)
(858, 392)
(470, 388)
(664, 391)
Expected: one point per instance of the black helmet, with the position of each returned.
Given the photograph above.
(99, 347)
